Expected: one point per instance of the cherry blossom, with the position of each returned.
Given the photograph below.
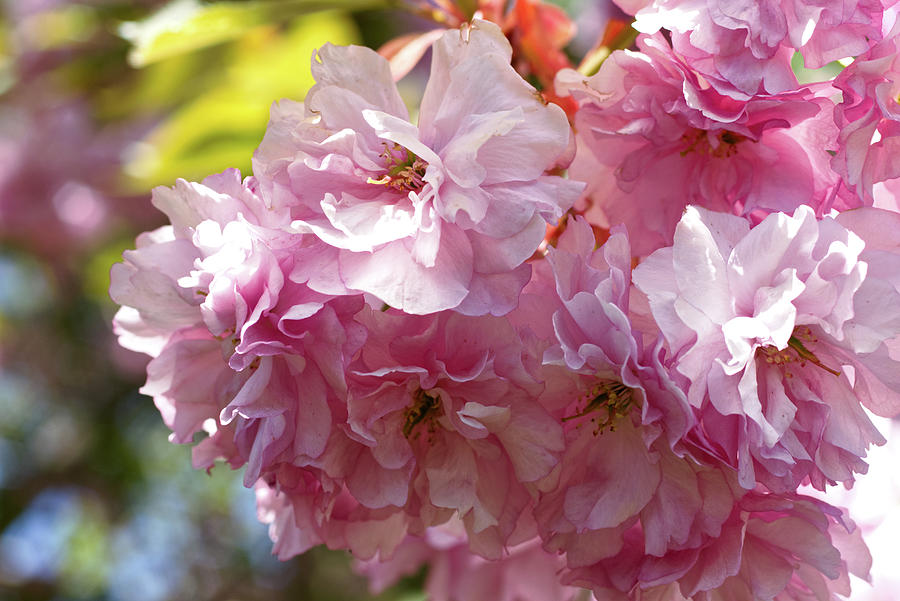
(447, 416)
(744, 49)
(868, 116)
(525, 573)
(534, 355)
(759, 320)
(235, 343)
(437, 216)
(653, 137)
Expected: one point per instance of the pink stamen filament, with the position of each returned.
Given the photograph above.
(405, 171)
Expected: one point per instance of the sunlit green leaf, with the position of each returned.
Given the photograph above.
(807, 76)
(223, 125)
(155, 88)
(187, 25)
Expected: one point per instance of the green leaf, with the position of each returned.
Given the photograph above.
(222, 125)
(187, 25)
(807, 76)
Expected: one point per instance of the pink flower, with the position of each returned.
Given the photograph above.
(654, 137)
(770, 547)
(610, 483)
(744, 49)
(439, 421)
(239, 349)
(445, 419)
(362, 327)
(304, 508)
(639, 523)
(739, 49)
(761, 323)
(869, 117)
(593, 336)
(524, 573)
(430, 217)
(620, 489)
(874, 502)
(871, 341)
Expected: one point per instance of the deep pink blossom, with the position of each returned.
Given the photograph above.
(654, 137)
(745, 48)
(445, 419)
(869, 117)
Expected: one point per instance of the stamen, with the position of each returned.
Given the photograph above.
(807, 355)
(697, 140)
(425, 408)
(728, 144)
(692, 140)
(795, 352)
(385, 179)
(611, 397)
(405, 171)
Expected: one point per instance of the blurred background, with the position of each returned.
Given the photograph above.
(100, 100)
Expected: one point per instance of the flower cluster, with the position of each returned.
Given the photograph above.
(426, 345)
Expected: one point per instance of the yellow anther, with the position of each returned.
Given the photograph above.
(405, 171)
(794, 352)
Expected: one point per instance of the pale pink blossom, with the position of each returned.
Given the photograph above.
(239, 350)
(874, 503)
(304, 508)
(437, 216)
(621, 412)
(768, 327)
(364, 326)
(871, 339)
(640, 523)
(615, 496)
(620, 489)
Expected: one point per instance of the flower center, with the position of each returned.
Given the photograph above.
(425, 409)
(795, 352)
(698, 141)
(405, 171)
(611, 400)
